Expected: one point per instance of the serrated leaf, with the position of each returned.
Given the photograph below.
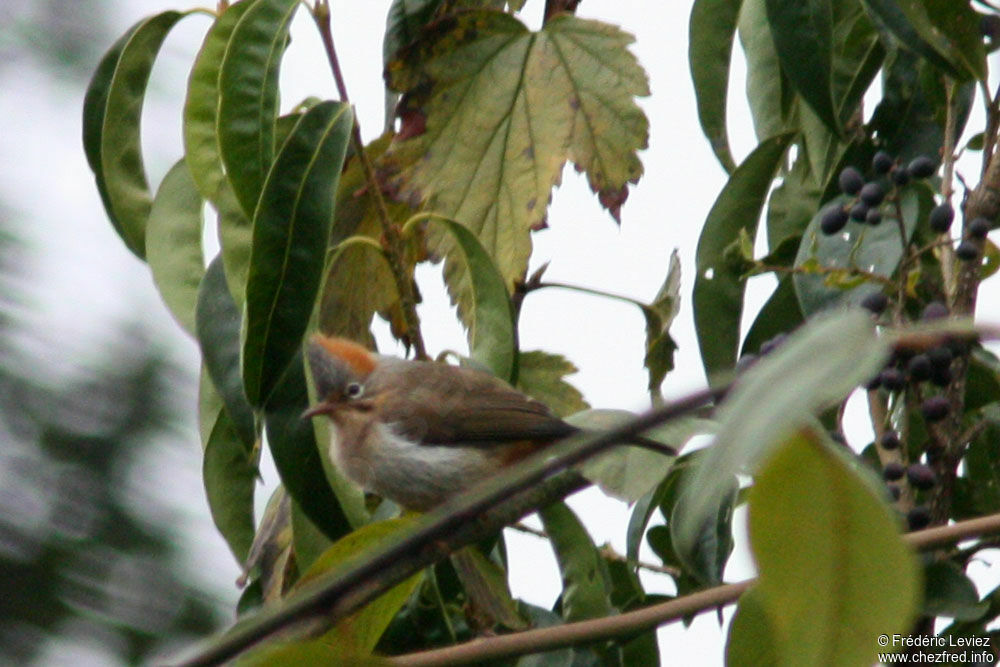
(361, 631)
(112, 111)
(173, 244)
(540, 375)
(291, 229)
(248, 96)
(217, 326)
(773, 398)
(660, 345)
(849, 579)
(584, 593)
(229, 472)
(802, 32)
(718, 288)
(493, 111)
(489, 314)
(710, 50)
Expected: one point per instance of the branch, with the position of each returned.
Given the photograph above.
(519, 489)
(392, 242)
(634, 622)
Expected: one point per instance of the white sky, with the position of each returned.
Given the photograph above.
(84, 259)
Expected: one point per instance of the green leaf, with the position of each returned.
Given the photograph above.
(248, 100)
(769, 93)
(540, 375)
(112, 111)
(802, 32)
(173, 244)
(584, 595)
(817, 366)
(977, 491)
(849, 577)
(361, 631)
(718, 287)
(751, 636)
(982, 383)
(291, 229)
(403, 23)
(493, 113)
(271, 556)
(229, 472)
(779, 314)
(661, 496)
(277, 653)
(710, 50)
(485, 583)
(308, 541)
(949, 592)
(490, 316)
(201, 106)
(943, 31)
(217, 326)
(660, 345)
(859, 246)
(297, 456)
(704, 553)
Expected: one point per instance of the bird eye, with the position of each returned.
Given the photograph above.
(354, 390)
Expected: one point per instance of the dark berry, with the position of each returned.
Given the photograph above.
(882, 162)
(859, 212)
(890, 440)
(940, 357)
(874, 383)
(934, 454)
(874, 217)
(875, 302)
(892, 379)
(895, 492)
(921, 476)
(935, 310)
(922, 167)
(872, 194)
(919, 517)
(851, 181)
(966, 251)
(768, 346)
(941, 217)
(979, 228)
(935, 408)
(900, 176)
(893, 470)
(833, 220)
(919, 368)
(941, 377)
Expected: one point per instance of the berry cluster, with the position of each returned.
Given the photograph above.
(869, 196)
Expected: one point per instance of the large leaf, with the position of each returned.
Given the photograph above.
(493, 111)
(112, 111)
(173, 244)
(750, 640)
(217, 325)
(849, 578)
(291, 229)
(710, 50)
(248, 101)
(802, 31)
(719, 286)
(540, 375)
(229, 472)
(584, 592)
(817, 366)
(769, 93)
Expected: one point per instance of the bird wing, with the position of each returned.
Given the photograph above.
(449, 405)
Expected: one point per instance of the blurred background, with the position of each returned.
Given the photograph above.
(107, 552)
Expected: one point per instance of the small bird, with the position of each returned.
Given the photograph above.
(417, 432)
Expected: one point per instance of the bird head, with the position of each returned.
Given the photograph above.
(340, 369)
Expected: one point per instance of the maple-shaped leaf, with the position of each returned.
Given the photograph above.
(540, 375)
(491, 113)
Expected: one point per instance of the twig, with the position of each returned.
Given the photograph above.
(633, 622)
(391, 240)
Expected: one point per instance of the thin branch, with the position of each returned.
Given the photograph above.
(391, 240)
(519, 489)
(634, 622)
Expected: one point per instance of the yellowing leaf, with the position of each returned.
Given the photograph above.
(540, 375)
(492, 112)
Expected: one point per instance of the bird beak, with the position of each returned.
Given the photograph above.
(323, 408)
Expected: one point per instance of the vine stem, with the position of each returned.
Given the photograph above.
(392, 242)
(633, 622)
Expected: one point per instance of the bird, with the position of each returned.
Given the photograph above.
(417, 432)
